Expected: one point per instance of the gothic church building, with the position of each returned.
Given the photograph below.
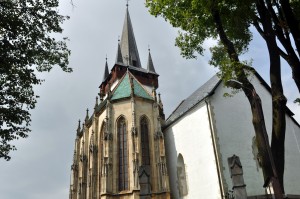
(206, 149)
(119, 149)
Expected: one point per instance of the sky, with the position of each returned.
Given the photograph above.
(40, 168)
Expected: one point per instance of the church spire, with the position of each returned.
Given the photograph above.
(150, 66)
(128, 45)
(106, 73)
(119, 58)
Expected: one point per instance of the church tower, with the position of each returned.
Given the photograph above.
(119, 149)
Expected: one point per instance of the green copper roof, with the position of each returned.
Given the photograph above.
(140, 91)
(123, 90)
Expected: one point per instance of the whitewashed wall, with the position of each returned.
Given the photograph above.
(191, 137)
(233, 123)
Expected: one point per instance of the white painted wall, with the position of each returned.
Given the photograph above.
(191, 137)
(234, 130)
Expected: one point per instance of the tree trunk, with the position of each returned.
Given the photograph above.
(282, 33)
(291, 21)
(278, 99)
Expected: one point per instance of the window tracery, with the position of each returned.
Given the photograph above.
(145, 141)
(123, 154)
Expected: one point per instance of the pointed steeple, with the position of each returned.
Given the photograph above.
(106, 73)
(150, 66)
(78, 128)
(119, 58)
(87, 115)
(128, 45)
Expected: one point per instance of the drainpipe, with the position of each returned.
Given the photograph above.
(210, 119)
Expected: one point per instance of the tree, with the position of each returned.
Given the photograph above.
(229, 22)
(264, 25)
(285, 23)
(27, 45)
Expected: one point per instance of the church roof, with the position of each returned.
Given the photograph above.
(200, 94)
(123, 89)
(206, 90)
(129, 51)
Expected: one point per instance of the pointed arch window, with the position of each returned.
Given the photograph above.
(123, 154)
(102, 148)
(145, 141)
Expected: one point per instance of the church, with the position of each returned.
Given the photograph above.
(127, 149)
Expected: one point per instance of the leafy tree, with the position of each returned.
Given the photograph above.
(27, 45)
(229, 22)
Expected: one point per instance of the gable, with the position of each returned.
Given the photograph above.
(123, 89)
(207, 90)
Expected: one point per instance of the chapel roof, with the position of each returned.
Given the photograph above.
(206, 90)
(196, 97)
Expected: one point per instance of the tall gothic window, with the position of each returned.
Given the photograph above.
(102, 148)
(123, 154)
(145, 141)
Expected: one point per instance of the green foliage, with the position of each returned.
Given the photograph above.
(195, 20)
(26, 45)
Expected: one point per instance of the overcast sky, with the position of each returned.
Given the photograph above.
(40, 168)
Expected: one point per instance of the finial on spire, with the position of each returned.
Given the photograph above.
(119, 39)
(87, 115)
(127, 3)
(149, 48)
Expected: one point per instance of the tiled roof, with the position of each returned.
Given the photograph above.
(140, 91)
(123, 90)
(199, 95)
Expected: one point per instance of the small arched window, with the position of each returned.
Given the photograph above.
(145, 141)
(181, 177)
(123, 154)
